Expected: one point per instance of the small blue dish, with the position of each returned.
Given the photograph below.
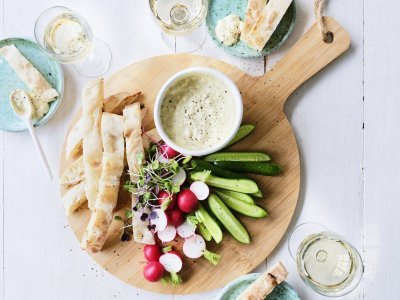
(219, 9)
(48, 67)
(232, 291)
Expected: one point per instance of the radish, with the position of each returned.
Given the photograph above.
(195, 247)
(168, 234)
(152, 252)
(159, 219)
(175, 217)
(180, 177)
(172, 263)
(186, 230)
(187, 201)
(200, 189)
(166, 200)
(168, 152)
(153, 271)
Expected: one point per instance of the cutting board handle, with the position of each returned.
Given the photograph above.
(309, 55)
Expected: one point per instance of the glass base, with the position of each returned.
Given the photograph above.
(97, 62)
(186, 43)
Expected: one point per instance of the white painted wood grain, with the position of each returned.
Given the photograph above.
(326, 113)
(382, 146)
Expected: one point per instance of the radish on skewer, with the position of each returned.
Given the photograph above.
(195, 247)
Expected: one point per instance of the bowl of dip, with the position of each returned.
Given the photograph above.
(198, 111)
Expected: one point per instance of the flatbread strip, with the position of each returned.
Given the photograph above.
(133, 137)
(74, 174)
(113, 104)
(28, 73)
(111, 171)
(253, 13)
(150, 137)
(265, 284)
(74, 198)
(269, 20)
(92, 109)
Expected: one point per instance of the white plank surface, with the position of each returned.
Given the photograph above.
(327, 115)
(382, 146)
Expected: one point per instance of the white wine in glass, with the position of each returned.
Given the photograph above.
(325, 261)
(65, 35)
(181, 22)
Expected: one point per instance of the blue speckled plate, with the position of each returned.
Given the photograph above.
(281, 292)
(9, 81)
(218, 9)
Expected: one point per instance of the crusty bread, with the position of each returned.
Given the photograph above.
(92, 109)
(111, 170)
(74, 198)
(74, 174)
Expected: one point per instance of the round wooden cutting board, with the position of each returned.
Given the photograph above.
(264, 98)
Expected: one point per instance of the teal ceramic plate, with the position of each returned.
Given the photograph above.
(49, 68)
(231, 292)
(220, 8)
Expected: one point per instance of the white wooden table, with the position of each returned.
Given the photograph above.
(345, 119)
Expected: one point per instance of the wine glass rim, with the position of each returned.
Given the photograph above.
(203, 11)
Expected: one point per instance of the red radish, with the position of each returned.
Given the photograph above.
(153, 271)
(187, 201)
(194, 246)
(159, 219)
(186, 230)
(168, 234)
(168, 152)
(200, 189)
(164, 196)
(171, 261)
(152, 252)
(180, 177)
(175, 217)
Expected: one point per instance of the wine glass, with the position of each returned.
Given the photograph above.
(66, 36)
(181, 22)
(326, 262)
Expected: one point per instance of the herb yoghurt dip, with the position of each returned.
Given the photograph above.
(198, 112)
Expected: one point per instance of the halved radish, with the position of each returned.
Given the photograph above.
(200, 189)
(159, 219)
(168, 234)
(194, 246)
(186, 230)
(171, 262)
(180, 177)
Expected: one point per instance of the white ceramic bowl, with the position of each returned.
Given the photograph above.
(183, 74)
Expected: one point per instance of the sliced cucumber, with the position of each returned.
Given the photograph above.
(211, 225)
(238, 156)
(247, 186)
(202, 165)
(240, 196)
(259, 194)
(243, 131)
(263, 168)
(244, 208)
(204, 232)
(222, 212)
